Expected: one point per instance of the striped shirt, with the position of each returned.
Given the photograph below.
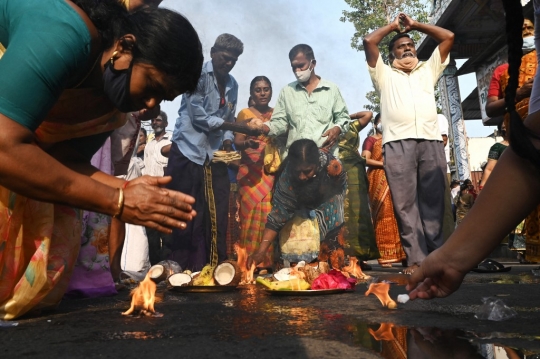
(309, 116)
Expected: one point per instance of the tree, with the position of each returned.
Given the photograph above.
(369, 15)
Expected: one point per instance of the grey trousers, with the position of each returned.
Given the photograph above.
(416, 173)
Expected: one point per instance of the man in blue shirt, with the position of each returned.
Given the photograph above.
(206, 118)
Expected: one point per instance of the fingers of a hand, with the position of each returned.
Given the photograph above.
(161, 181)
(178, 199)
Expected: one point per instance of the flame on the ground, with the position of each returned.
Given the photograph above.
(247, 274)
(383, 333)
(381, 291)
(354, 269)
(143, 298)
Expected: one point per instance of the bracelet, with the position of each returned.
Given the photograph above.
(125, 185)
(120, 205)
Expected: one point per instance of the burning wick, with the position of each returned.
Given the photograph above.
(381, 291)
(354, 269)
(143, 298)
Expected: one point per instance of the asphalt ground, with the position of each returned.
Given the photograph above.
(250, 323)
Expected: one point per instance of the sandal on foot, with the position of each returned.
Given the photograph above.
(490, 266)
(410, 270)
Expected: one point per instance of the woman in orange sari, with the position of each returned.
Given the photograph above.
(254, 182)
(382, 210)
(84, 75)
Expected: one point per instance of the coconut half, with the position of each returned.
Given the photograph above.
(227, 273)
(180, 280)
(283, 274)
(157, 273)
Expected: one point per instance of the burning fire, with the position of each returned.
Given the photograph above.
(383, 333)
(247, 275)
(381, 291)
(354, 269)
(143, 298)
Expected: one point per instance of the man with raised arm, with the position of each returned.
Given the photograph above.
(414, 157)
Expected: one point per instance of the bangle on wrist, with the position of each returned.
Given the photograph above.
(120, 205)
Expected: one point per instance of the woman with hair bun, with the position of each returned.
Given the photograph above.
(70, 71)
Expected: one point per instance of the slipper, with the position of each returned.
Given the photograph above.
(364, 266)
(490, 266)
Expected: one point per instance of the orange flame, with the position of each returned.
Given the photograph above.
(247, 275)
(143, 297)
(381, 291)
(354, 269)
(383, 333)
(241, 255)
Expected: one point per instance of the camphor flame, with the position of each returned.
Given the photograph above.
(381, 291)
(354, 269)
(241, 255)
(383, 333)
(143, 297)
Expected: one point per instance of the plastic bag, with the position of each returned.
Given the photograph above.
(494, 309)
(333, 280)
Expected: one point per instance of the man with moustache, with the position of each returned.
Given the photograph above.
(205, 124)
(309, 107)
(414, 156)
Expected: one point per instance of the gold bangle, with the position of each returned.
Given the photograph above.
(120, 203)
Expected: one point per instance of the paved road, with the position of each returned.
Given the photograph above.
(252, 324)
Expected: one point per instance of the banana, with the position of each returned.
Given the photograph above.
(294, 284)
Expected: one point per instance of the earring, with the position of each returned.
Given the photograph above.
(113, 56)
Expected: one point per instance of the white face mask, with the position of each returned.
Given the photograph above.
(303, 76)
(379, 127)
(528, 44)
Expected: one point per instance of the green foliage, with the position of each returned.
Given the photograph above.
(369, 15)
(374, 102)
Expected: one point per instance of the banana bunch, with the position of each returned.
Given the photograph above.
(291, 284)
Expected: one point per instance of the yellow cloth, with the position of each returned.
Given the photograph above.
(299, 236)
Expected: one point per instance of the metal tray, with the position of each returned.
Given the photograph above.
(204, 289)
(308, 292)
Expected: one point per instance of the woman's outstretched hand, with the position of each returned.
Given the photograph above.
(147, 204)
(435, 278)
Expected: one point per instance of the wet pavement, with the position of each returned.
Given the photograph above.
(249, 323)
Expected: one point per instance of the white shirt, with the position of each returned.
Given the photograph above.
(408, 108)
(154, 161)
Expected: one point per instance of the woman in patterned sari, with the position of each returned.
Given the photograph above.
(254, 182)
(84, 75)
(382, 210)
(359, 232)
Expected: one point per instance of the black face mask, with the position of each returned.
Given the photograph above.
(116, 86)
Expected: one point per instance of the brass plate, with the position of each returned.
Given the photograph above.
(204, 289)
(308, 292)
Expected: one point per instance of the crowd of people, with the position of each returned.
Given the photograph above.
(86, 192)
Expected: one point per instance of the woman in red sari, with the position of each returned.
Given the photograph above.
(254, 182)
(382, 210)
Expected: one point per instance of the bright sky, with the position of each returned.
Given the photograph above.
(269, 29)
